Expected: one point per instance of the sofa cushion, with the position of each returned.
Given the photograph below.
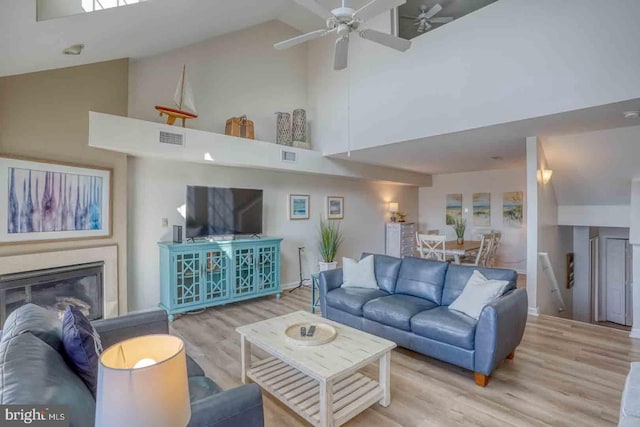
(351, 300)
(395, 310)
(458, 276)
(421, 278)
(386, 269)
(478, 292)
(82, 346)
(446, 326)
(358, 274)
(32, 372)
(630, 405)
(40, 322)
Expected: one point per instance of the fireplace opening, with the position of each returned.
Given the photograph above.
(55, 289)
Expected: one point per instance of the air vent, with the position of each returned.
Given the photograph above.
(289, 156)
(171, 138)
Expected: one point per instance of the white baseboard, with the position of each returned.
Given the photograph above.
(291, 285)
(534, 311)
(635, 333)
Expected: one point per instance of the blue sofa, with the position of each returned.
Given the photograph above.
(33, 370)
(411, 308)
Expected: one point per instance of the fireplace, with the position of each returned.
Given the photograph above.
(55, 289)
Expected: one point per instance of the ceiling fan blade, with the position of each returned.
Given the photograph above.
(443, 20)
(315, 7)
(341, 54)
(386, 39)
(408, 17)
(433, 11)
(376, 7)
(300, 39)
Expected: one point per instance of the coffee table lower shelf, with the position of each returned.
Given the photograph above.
(301, 393)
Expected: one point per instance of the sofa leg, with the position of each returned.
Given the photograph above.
(511, 355)
(481, 379)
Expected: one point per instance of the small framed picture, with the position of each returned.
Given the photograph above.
(335, 207)
(299, 206)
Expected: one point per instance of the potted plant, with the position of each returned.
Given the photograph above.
(460, 225)
(330, 241)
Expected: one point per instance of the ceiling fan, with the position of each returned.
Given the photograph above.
(345, 20)
(425, 19)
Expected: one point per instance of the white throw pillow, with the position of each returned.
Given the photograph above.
(359, 274)
(477, 293)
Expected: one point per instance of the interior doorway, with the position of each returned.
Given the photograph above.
(611, 279)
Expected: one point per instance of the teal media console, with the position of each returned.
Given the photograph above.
(209, 273)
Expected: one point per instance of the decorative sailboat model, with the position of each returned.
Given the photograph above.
(184, 101)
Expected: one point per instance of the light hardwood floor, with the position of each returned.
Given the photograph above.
(565, 373)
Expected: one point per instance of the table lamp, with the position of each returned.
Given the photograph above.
(394, 208)
(143, 382)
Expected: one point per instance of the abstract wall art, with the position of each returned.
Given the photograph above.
(453, 210)
(482, 209)
(50, 201)
(512, 203)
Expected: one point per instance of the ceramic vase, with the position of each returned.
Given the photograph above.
(283, 129)
(325, 266)
(299, 125)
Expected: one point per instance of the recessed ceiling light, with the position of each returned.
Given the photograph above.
(497, 158)
(76, 49)
(631, 114)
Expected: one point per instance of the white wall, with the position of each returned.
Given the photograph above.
(509, 61)
(594, 216)
(512, 252)
(634, 240)
(234, 74)
(157, 189)
(555, 240)
(581, 274)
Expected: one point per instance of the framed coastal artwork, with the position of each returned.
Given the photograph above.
(53, 201)
(453, 210)
(482, 209)
(512, 213)
(335, 207)
(299, 206)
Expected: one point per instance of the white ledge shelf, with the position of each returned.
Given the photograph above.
(141, 138)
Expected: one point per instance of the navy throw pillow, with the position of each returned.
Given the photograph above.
(82, 346)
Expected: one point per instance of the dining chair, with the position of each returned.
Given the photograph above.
(431, 246)
(495, 244)
(483, 252)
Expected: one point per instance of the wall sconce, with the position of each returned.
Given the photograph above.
(544, 175)
(394, 208)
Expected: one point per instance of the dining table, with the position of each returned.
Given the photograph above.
(455, 250)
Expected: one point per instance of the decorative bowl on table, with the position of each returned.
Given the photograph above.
(323, 334)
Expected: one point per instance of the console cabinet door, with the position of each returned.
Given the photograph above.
(267, 265)
(216, 275)
(244, 261)
(188, 275)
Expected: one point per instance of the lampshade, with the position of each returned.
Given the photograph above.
(143, 382)
(394, 207)
(544, 175)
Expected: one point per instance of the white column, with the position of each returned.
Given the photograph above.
(634, 241)
(532, 223)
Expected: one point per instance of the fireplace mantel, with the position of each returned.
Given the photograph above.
(38, 261)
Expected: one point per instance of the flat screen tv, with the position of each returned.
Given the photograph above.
(214, 211)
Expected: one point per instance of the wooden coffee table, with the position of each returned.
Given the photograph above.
(319, 383)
